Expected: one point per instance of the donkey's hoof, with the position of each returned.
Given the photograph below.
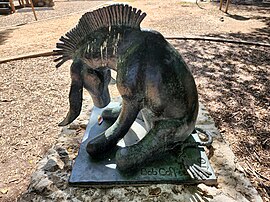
(111, 114)
(128, 159)
(98, 146)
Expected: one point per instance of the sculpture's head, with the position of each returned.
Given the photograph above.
(96, 81)
(97, 34)
(93, 46)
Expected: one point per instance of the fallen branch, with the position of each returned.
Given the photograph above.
(255, 172)
(215, 39)
(196, 38)
(21, 57)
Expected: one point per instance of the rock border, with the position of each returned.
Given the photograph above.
(50, 181)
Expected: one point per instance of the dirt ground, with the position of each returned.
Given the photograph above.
(233, 83)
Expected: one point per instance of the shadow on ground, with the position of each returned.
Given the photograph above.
(37, 9)
(260, 34)
(233, 82)
(4, 34)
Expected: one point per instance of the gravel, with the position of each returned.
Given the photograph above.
(61, 8)
(31, 102)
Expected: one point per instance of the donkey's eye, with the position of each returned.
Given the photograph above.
(99, 74)
(90, 71)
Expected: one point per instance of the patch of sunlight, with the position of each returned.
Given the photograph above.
(243, 77)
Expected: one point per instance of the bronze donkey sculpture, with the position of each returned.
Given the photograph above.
(152, 78)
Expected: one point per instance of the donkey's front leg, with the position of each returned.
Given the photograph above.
(111, 114)
(108, 140)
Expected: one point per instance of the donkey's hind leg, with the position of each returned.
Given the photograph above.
(160, 139)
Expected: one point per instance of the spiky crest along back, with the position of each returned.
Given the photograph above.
(117, 15)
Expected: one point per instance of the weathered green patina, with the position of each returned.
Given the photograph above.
(152, 78)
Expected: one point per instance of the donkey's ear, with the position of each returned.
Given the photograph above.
(75, 102)
(75, 94)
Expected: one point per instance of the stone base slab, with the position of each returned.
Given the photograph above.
(50, 181)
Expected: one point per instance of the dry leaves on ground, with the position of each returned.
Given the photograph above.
(233, 82)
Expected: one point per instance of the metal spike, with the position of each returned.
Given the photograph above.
(62, 52)
(82, 19)
(106, 11)
(108, 17)
(137, 17)
(132, 17)
(97, 17)
(123, 15)
(72, 37)
(129, 16)
(104, 17)
(62, 62)
(101, 18)
(89, 22)
(58, 52)
(111, 11)
(58, 59)
(82, 31)
(93, 22)
(77, 33)
(84, 25)
(117, 16)
(140, 19)
(67, 41)
(63, 46)
(121, 7)
(75, 36)
(84, 15)
(126, 15)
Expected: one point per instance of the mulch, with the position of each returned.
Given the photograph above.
(232, 80)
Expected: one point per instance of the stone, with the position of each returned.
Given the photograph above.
(53, 164)
(63, 154)
(223, 197)
(155, 191)
(4, 190)
(208, 190)
(74, 125)
(58, 196)
(51, 151)
(41, 188)
(40, 183)
(42, 3)
(83, 124)
(68, 131)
